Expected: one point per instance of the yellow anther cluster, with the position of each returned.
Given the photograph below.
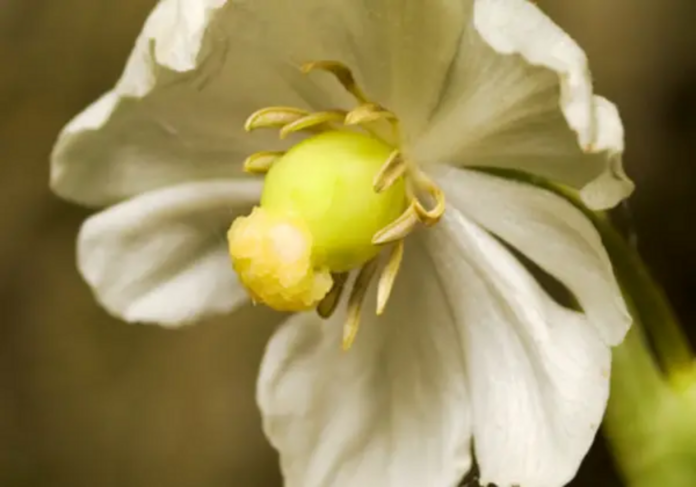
(342, 200)
(272, 254)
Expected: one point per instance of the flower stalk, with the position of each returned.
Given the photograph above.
(651, 416)
(650, 305)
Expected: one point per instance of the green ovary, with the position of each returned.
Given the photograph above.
(327, 181)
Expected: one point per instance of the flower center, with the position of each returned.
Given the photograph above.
(331, 204)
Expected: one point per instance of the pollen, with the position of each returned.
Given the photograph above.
(272, 255)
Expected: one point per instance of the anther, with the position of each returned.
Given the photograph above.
(388, 276)
(261, 162)
(342, 74)
(392, 169)
(399, 228)
(420, 183)
(311, 121)
(368, 112)
(328, 304)
(355, 302)
(273, 117)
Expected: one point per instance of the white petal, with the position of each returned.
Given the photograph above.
(117, 147)
(392, 411)
(177, 113)
(538, 373)
(552, 233)
(199, 69)
(520, 96)
(401, 50)
(162, 257)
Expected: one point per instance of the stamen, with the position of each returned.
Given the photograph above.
(421, 183)
(261, 162)
(388, 276)
(342, 74)
(273, 117)
(294, 284)
(399, 228)
(327, 305)
(357, 296)
(393, 168)
(368, 112)
(311, 121)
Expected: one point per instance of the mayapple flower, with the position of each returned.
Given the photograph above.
(379, 211)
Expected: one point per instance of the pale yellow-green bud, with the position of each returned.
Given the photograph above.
(318, 214)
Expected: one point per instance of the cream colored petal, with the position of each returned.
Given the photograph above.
(162, 257)
(538, 374)
(520, 96)
(199, 68)
(176, 115)
(391, 411)
(551, 232)
(401, 50)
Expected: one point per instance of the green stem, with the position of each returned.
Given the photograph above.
(649, 423)
(637, 391)
(649, 302)
(647, 420)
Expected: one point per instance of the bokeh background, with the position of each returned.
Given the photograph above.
(87, 401)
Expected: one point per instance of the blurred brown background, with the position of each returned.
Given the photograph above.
(87, 401)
